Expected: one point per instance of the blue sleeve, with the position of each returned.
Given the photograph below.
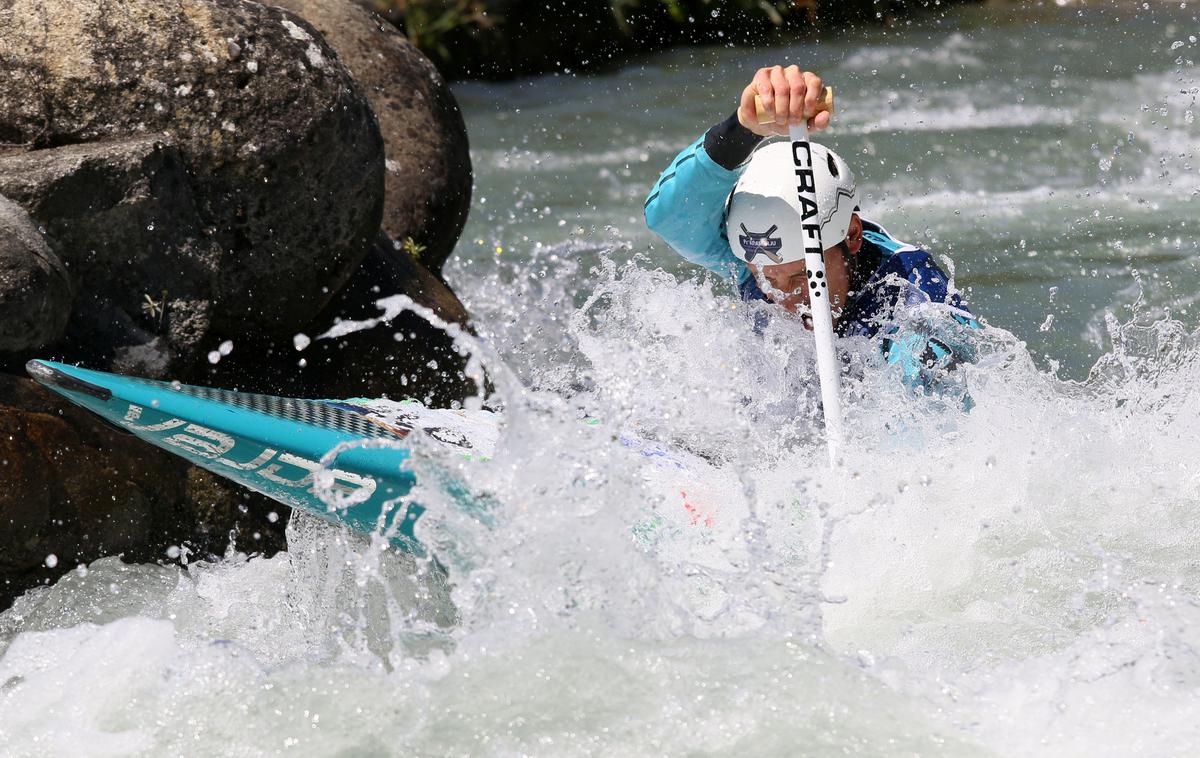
(687, 209)
(930, 339)
(928, 350)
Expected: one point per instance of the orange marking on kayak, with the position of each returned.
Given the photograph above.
(708, 519)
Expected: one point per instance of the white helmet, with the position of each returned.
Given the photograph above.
(763, 218)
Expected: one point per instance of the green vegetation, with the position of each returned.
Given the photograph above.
(501, 39)
(430, 23)
(412, 247)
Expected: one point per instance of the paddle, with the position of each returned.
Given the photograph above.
(814, 262)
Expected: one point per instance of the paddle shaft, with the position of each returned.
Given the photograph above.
(828, 368)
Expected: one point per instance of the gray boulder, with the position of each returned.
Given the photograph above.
(428, 160)
(221, 140)
(203, 170)
(35, 292)
(123, 215)
(405, 357)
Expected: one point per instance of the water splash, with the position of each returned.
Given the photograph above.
(1016, 580)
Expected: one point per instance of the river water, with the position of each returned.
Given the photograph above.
(1020, 579)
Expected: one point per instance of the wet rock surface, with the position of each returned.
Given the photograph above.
(123, 216)
(265, 185)
(35, 294)
(78, 489)
(190, 174)
(402, 357)
(428, 176)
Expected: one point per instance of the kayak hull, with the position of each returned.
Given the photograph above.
(271, 445)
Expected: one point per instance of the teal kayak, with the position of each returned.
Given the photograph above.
(272, 445)
(347, 461)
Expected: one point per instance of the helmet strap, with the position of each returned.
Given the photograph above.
(846, 254)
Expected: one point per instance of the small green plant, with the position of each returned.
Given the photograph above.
(412, 247)
(155, 309)
(429, 23)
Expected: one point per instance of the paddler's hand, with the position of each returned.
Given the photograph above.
(790, 95)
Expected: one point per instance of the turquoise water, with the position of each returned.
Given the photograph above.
(1018, 580)
(1051, 153)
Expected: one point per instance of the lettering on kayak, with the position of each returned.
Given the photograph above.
(271, 472)
(197, 441)
(266, 455)
(135, 413)
(201, 441)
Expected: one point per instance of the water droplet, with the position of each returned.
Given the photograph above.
(51, 560)
(301, 340)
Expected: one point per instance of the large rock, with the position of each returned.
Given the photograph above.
(35, 292)
(428, 160)
(77, 489)
(205, 170)
(404, 357)
(124, 215)
(269, 154)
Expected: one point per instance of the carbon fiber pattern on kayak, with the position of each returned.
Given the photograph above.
(319, 413)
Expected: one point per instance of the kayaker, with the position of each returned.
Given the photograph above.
(728, 202)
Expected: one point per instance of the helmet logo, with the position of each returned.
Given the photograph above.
(755, 243)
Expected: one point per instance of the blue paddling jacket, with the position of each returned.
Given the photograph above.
(687, 208)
